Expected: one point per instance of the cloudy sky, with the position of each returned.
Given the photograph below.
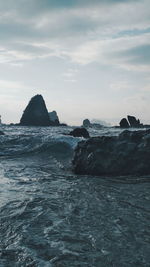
(88, 58)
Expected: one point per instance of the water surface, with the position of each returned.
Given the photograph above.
(51, 217)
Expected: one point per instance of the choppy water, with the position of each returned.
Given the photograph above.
(51, 217)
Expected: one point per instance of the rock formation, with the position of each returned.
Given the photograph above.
(86, 123)
(36, 113)
(127, 154)
(54, 117)
(80, 132)
(124, 123)
(131, 122)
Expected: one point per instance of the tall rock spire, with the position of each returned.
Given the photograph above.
(36, 113)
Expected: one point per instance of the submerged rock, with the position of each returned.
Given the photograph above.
(36, 113)
(54, 117)
(80, 132)
(1, 133)
(124, 123)
(127, 154)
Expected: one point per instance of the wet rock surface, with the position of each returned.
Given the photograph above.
(80, 132)
(126, 154)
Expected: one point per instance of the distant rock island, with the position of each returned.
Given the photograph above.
(131, 122)
(88, 124)
(36, 114)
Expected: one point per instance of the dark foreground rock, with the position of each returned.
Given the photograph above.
(127, 154)
(80, 132)
(1, 133)
(36, 113)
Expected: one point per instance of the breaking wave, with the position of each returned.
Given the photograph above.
(25, 144)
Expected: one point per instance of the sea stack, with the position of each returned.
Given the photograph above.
(86, 123)
(54, 118)
(36, 113)
(133, 121)
(124, 123)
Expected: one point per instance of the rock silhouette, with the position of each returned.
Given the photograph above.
(54, 117)
(36, 113)
(133, 121)
(124, 123)
(86, 123)
(126, 154)
(80, 132)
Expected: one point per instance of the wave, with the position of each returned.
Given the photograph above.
(13, 145)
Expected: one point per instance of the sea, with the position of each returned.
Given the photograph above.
(51, 217)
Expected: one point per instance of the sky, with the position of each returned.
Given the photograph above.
(88, 58)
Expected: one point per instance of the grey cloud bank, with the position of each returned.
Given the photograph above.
(103, 43)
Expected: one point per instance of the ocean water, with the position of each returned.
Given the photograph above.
(52, 217)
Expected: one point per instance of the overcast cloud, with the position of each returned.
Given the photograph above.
(89, 58)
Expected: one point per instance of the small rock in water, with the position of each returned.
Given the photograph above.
(86, 123)
(80, 132)
(124, 123)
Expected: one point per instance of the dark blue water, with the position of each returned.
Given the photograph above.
(51, 217)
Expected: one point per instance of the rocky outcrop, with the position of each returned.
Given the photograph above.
(36, 113)
(131, 122)
(54, 117)
(88, 124)
(1, 133)
(80, 132)
(124, 123)
(127, 154)
(134, 122)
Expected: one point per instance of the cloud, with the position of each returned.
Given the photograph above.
(106, 31)
(137, 55)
